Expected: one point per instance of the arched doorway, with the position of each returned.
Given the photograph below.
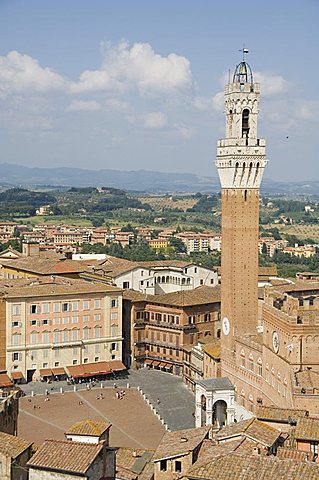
(220, 413)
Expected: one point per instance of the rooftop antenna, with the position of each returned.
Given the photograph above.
(244, 51)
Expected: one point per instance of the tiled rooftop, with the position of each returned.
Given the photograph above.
(277, 414)
(252, 428)
(307, 429)
(180, 442)
(48, 285)
(253, 467)
(186, 298)
(12, 446)
(65, 456)
(88, 428)
(134, 463)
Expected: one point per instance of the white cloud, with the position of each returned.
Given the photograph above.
(207, 104)
(126, 67)
(271, 83)
(84, 106)
(154, 120)
(117, 105)
(21, 73)
(185, 131)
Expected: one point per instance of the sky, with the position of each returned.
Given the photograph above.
(137, 84)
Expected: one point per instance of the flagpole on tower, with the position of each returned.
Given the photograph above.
(244, 51)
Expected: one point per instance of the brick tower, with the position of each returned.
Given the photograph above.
(240, 163)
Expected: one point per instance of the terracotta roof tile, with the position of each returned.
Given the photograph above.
(307, 429)
(12, 446)
(180, 442)
(186, 298)
(252, 467)
(65, 456)
(88, 427)
(277, 414)
(251, 428)
(48, 286)
(291, 453)
(133, 463)
(213, 348)
(44, 266)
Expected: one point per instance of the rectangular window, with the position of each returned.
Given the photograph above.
(113, 330)
(260, 371)
(56, 337)
(96, 359)
(15, 324)
(243, 362)
(86, 318)
(97, 348)
(85, 360)
(114, 303)
(97, 332)
(56, 307)
(114, 346)
(16, 309)
(75, 319)
(86, 305)
(45, 321)
(65, 320)
(114, 316)
(56, 321)
(56, 364)
(15, 356)
(45, 365)
(251, 365)
(45, 308)
(65, 307)
(163, 465)
(178, 466)
(34, 308)
(97, 317)
(65, 335)
(75, 306)
(74, 362)
(97, 303)
(126, 284)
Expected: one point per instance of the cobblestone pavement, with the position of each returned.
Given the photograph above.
(168, 394)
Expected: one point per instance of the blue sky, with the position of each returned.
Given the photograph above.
(136, 84)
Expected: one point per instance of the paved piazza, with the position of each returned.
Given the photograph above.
(133, 422)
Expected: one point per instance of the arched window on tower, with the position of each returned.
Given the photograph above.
(245, 124)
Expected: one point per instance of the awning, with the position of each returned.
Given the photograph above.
(58, 371)
(45, 372)
(16, 375)
(116, 366)
(164, 365)
(76, 371)
(155, 363)
(5, 380)
(148, 361)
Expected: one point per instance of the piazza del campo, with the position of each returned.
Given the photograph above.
(142, 342)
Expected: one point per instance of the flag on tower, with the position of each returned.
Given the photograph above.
(245, 50)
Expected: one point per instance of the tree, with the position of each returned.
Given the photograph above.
(178, 245)
(264, 249)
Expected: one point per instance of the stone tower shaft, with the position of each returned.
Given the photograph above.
(240, 163)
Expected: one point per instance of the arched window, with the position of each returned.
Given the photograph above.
(75, 334)
(113, 330)
(45, 337)
(86, 333)
(56, 336)
(163, 279)
(245, 123)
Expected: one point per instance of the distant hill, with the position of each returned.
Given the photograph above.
(135, 180)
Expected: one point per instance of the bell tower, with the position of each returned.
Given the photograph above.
(240, 163)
